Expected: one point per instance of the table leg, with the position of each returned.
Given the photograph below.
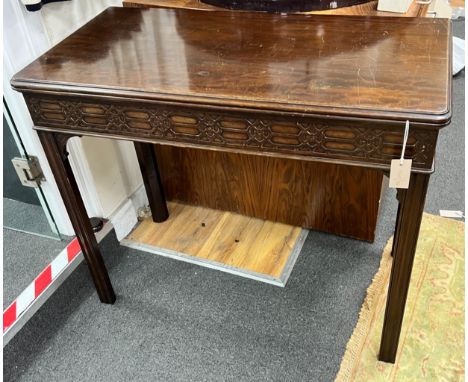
(152, 180)
(54, 145)
(411, 206)
(397, 223)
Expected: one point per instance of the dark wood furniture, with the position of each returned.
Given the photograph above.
(323, 89)
(307, 203)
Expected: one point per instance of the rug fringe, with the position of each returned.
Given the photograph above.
(356, 342)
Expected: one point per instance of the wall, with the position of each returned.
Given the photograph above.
(112, 164)
(24, 40)
(107, 171)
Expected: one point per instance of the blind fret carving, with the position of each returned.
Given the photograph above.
(305, 136)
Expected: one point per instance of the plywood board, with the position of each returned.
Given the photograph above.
(250, 247)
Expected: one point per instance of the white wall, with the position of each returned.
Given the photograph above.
(24, 40)
(107, 171)
(113, 164)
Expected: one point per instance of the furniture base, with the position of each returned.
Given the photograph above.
(257, 249)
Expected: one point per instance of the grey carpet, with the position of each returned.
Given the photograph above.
(24, 256)
(26, 217)
(174, 321)
(447, 184)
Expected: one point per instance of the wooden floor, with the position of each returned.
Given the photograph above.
(234, 243)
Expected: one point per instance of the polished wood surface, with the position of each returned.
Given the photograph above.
(410, 210)
(330, 65)
(322, 196)
(55, 149)
(341, 102)
(229, 239)
(152, 181)
(362, 195)
(366, 9)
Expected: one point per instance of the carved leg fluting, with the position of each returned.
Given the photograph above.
(411, 206)
(54, 147)
(397, 222)
(152, 180)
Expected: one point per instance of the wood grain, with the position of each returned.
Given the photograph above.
(331, 198)
(226, 238)
(410, 210)
(152, 181)
(380, 67)
(154, 76)
(364, 194)
(280, 60)
(55, 149)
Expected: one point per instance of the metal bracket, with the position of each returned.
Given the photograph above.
(29, 171)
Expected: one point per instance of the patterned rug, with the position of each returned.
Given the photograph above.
(432, 337)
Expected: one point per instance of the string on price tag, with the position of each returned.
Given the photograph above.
(400, 169)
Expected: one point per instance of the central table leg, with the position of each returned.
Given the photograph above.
(152, 180)
(405, 239)
(54, 147)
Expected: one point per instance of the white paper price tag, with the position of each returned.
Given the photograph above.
(400, 173)
(400, 169)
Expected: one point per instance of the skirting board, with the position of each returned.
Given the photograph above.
(247, 247)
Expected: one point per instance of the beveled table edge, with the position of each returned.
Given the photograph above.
(432, 120)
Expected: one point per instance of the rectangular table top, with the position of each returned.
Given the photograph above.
(374, 67)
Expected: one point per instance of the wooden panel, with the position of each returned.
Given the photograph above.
(343, 200)
(246, 243)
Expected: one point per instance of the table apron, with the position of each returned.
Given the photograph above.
(365, 143)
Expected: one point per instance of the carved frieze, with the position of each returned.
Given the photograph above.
(305, 136)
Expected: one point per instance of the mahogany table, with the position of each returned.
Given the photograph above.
(318, 88)
(229, 181)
